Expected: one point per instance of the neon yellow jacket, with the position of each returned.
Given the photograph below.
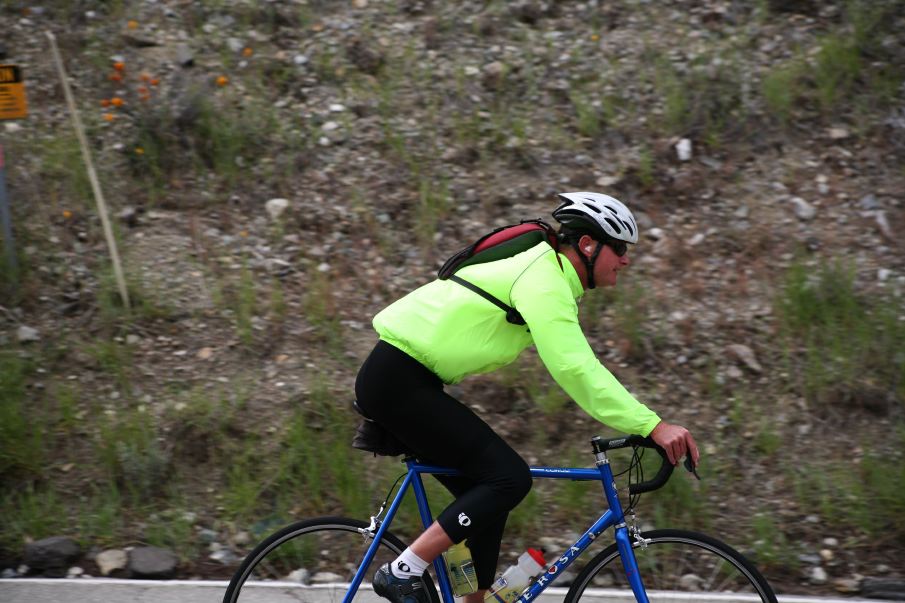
(455, 332)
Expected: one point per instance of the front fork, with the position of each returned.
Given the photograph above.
(624, 535)
(624, 544)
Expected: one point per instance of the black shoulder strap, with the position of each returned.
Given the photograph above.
(512, 315)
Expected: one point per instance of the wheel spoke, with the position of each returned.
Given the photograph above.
(677, 563)
(311, 562)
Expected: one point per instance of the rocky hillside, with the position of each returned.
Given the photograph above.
(279, 171)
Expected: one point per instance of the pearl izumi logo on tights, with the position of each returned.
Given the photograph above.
(464, 520)
(403, 567)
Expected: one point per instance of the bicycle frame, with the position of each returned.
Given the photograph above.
(612, 517)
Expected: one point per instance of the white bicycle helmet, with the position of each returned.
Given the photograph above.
(602, 217)
(601, 214)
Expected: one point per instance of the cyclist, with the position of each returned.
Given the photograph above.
(443, 332)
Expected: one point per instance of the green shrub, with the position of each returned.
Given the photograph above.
(851, 68)
(433, 205)
(769, 544)
(30, 513)
(115, 359)
(838, 68)
(203, 423)
(102, 516)
(146, 303)
(844, 345)
(866, 496)
(588, 119)
(131, 454)
(209, 133)
(60, 173)
(245, 486)
(543, 392)
(705, 101)
(781, 88)
(321, 309)
(22, 430)
(245, 305)
(631, 320)
(173, 529)
(307, 467)
(527, 517)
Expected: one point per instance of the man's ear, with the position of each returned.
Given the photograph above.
(586, 244)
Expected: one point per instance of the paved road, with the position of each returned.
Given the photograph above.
(88, 590)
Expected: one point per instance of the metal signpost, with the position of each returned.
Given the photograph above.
(12, 106)
(5, 217)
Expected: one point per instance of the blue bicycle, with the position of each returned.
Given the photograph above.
(329, 558)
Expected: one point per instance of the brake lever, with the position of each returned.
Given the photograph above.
(690, 467)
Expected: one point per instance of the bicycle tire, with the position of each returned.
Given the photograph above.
(331, 546)
(666, 569)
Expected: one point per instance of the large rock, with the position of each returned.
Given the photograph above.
(276, 207)
(817, 575)
(52, 556)
(111, 561)
(26, 334)
(744, 354)
(883, 588)
(804, 210)
(152, 563)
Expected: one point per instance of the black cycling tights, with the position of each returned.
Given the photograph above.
(408, 399)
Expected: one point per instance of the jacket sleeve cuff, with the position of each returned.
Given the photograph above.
(649, 427)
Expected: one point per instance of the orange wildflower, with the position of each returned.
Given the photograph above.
(132, 24)
(119, 65)
(116, 77)
(109, 116)
(67, 214)
(222, 81)
(105, 102)
(116, 101)
(155, 81)
(247, 51)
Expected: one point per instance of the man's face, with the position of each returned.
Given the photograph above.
(608, 265)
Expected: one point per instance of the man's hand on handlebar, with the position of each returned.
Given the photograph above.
(676, 441)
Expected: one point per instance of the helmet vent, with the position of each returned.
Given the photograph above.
(614, 224)
(592, 207)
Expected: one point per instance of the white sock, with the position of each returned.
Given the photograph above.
(408, 564)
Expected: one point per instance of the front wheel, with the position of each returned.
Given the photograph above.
(314, 561)
(675, 564)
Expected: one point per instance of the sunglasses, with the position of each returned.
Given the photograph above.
(620, 248)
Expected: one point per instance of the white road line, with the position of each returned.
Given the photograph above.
(72, 585)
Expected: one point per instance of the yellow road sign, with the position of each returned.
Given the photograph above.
(12, 93)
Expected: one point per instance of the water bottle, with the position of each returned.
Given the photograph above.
(510, 585)
(461, 569)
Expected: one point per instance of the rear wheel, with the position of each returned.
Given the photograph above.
(674, 564)
(314, 561)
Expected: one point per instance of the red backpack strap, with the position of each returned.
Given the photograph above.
(552, 237)
(502, 238)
